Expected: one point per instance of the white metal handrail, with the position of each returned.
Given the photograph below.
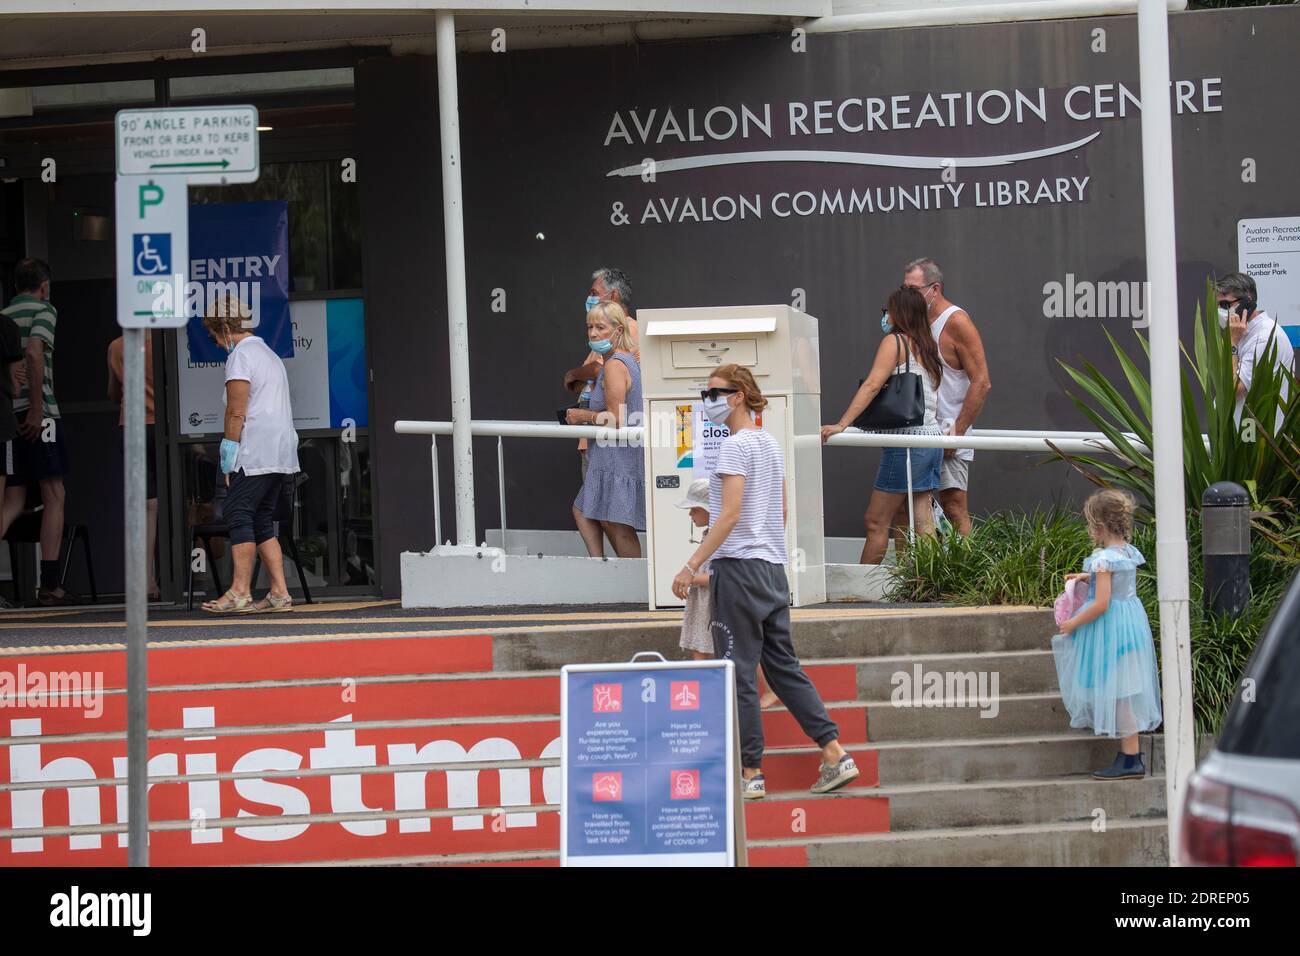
(982, 439)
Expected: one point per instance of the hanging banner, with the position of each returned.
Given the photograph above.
(327, 372)
(240, 251)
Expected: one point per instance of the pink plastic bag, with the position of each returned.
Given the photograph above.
(1070, 600)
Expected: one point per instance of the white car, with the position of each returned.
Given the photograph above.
(1243, 802)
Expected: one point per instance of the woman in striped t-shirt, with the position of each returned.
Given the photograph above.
(748, 586)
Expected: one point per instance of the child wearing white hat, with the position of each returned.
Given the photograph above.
(697, 635)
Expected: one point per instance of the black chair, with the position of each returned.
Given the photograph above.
(26, 530)
(284, 510)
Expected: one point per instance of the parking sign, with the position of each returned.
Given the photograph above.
(153, 239)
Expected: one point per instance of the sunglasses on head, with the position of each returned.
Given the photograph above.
(711, 394)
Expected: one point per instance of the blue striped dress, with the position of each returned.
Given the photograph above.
(614, 489)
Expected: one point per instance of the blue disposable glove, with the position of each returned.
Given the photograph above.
(229, 449)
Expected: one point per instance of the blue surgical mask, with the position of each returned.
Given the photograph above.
(717, 410)
(885, 324)
(601, 346)
(592, 302)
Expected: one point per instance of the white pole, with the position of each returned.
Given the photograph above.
(911, 518)
(501, 487)
(453, 227)
(437, 502)
(1166, 413)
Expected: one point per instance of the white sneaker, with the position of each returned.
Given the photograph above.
(832, 778)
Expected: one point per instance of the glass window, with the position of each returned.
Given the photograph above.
(324, 221)
(330, 518)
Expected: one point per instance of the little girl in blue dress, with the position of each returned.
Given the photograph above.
(1105, 655)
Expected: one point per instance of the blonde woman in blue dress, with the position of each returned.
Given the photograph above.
(1105, 655)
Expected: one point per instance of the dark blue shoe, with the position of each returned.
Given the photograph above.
(1125, 766)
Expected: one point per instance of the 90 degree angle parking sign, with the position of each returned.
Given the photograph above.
(208, 145)
(160, 153)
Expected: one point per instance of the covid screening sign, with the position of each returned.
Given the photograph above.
(648, 764)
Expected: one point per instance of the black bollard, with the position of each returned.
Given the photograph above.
(1225, 546)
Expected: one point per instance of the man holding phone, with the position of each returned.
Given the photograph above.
(1251, 330)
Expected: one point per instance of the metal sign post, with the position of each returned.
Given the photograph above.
(159, 154)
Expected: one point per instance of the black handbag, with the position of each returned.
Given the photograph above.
(900, 403)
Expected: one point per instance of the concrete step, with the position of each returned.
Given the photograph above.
(976, 759)
(1142, 842)
(1002, 716)
(818, 635)
(1018, 672)
(1012, 802)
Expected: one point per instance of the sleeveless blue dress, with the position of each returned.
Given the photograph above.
(614, 489)
(1107, 668)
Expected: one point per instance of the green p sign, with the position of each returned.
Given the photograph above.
(150, 195)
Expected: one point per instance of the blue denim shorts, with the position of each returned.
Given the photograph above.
(892, 476)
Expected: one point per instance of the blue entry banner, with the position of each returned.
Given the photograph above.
(648, 765)
(240, 250)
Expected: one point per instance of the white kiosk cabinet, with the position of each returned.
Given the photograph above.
(679, 350)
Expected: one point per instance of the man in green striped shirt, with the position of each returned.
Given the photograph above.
(39, 454)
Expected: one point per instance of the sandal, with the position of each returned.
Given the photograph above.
(273, 604)
(230, 603)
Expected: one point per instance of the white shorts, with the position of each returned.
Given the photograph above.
(954, 473)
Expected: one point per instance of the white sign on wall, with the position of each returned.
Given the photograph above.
(203, 384)
(1268, 250)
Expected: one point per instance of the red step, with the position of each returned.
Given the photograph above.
(778, 855)
(261, 706)
(780, 729)
(782, 817)
(795, 770)
(834, 681)
(218, 661)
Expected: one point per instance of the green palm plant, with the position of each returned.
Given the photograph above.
(1262, 458)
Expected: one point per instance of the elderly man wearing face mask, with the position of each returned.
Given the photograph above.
(607, 285)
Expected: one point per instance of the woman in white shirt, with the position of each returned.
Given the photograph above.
(258, 454)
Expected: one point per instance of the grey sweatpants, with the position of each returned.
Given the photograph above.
(751, 623)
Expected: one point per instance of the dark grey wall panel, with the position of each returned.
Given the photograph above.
(533, 127)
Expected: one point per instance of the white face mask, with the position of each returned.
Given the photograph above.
(718, 410)
(1223, 318)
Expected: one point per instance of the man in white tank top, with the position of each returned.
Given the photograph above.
(962, 390)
